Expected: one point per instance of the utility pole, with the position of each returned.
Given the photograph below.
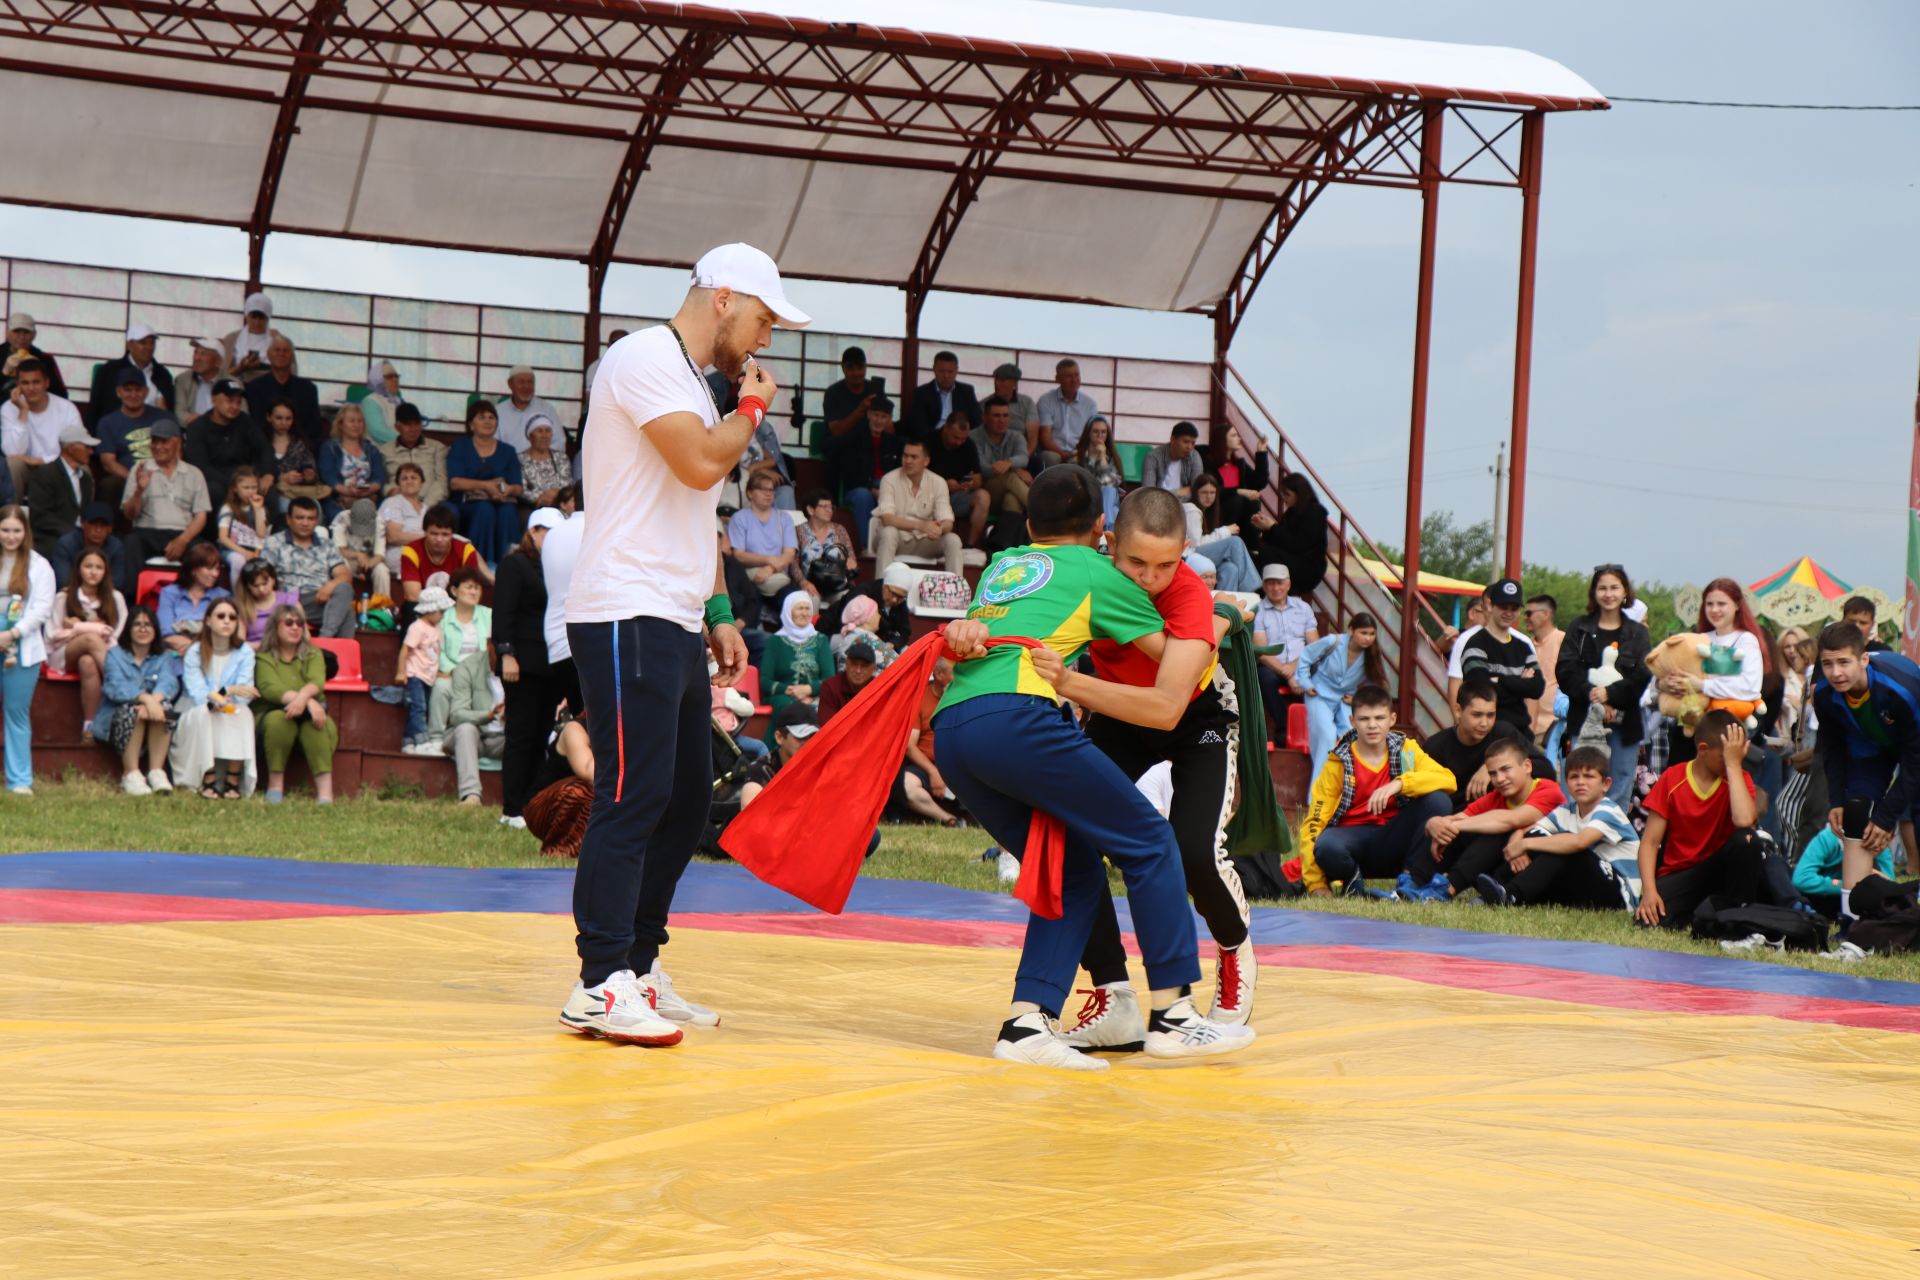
(1499, 506)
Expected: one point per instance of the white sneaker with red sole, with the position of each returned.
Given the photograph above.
(673, 1006)
(619, 1009)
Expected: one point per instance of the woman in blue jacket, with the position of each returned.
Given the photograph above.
(1330, 670)
(137, 692)
(349, 464)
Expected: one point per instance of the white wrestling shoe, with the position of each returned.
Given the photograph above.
(673, 1006)
(1180, 1032)
(1109, 1021)
(618, 1009)
(1032, 1038)
(1233, 986)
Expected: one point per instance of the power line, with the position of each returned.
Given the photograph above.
(1767, 106)
(1743, 499)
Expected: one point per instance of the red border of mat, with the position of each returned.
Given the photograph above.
(93, 906)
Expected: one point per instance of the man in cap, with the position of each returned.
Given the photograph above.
(1505, 658)
(412, 444)
(158, 379)
(861, 666)
(939, 398)
(657, 449)
(1020, 407)
(31, 421)
(520, 406)
(1280, 619)
(94, 534)
(124, 433)
(193, 390)
(246, 347)
(21, 332)
(225, 438)
(793, 724)
(59, 490)
(166, 503)
(281, 382)
(844, 404)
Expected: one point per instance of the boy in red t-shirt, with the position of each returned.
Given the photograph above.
(1700, 840)
(1471, 843)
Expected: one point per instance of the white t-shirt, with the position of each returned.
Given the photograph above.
(558, 554)
(36, 435)
(649, 538)
(1454, 671)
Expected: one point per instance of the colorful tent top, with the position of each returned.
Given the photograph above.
(1806, 573)
(1388, 575)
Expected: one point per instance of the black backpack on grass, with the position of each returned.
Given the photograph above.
(1889, 916)
(1722, 917)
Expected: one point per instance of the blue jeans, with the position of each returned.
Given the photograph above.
(16, 694)
(1110, 503)
(417, 691)
(1231, 561)
(749, 746)
(1327, 719)
(1345, 853)
(1006, 754)
(861, 501)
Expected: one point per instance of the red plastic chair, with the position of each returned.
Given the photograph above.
(51, 676)
(349, 679)
(1296, 726)
(147, 589)
(749, 687)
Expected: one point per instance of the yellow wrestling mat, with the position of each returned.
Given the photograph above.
(362, 1096)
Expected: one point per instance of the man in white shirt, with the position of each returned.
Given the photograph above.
(657, 450)
(31, 422)
(916, 516)
(520, 406)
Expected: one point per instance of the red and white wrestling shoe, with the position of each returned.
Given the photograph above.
(1233, 986)
(618, 1009)
(1109, 1021)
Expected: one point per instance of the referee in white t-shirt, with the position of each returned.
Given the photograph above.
(648, 583)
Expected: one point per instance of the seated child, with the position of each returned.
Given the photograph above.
(1468, 844)
(1567, 857)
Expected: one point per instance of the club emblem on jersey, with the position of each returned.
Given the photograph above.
(1015, 576)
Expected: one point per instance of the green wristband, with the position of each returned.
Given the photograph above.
(719, 610)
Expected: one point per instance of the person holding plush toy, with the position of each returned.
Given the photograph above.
(1732, 670)
(1606, 626)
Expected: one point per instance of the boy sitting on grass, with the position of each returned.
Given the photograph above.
(1566, 858)
(1468, 844)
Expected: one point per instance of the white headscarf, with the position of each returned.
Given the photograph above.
(246, 341)
(790, 632)
(377, 378)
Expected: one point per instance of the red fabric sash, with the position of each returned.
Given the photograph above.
(807, 832)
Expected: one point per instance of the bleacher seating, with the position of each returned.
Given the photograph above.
(348, 679)
(147, 588)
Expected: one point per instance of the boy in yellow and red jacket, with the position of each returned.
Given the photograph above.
(1371, 803)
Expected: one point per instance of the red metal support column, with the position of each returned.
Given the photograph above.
(1530, 134)
(1218, 433)
(285, 124)
(1410, 638)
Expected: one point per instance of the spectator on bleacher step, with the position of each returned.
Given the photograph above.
(418, 667)
(1280, 619)
(859, 664)
(1060, 417)
(1218, 539)
(295, 472)
(1298, 539)
(1204, 569)
(915, 516)
(792, 726)
(349, 463)
(32, 422)
(156, 378)
(1176, 466)
(282, 382)
(94, 534)
(889, 591)
(544, 470)
(828, 563)
(939, 398)
(193, 390)
(798, 658)
(465, 629)
(1020, 406)
(293, 706)
(57, 492)
(213, 744)
(860, 624)
(259, 594)
(200, 581)
(519, 408)
(125, 428)
(763, 542)
(166, 502)
(243, 526)
(225, 439)
(1002, 451)
(1096, 453)
(1330, 670)
(26, 601)
(137, 710)
(309, 563)
(411, 444)
(363, 545)
(247, 345)
(532, 689)
(86, 621)
(21, 332)
(403, 518)
(856, 459)
(953, 458)
(844, 404)
(484, 473)
(381, 403)
(1604, 626)
(474, 727)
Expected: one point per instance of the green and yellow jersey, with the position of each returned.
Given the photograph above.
(1065, 596)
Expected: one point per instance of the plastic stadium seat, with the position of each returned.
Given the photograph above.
(749, 687)
(349, 679)
(1296, 726)
(48, 674)
(147, 589)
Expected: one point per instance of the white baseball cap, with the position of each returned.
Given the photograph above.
(744, 269)
(1273, 571)
(139, 332)
(546, 517)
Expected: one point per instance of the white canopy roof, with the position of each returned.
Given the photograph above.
(1038, 149)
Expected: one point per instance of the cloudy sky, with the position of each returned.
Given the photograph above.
(1727, 337)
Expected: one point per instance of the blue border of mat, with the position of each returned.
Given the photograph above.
(715, 888)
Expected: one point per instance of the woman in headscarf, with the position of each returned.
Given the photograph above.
(381, 402)
(797, 661)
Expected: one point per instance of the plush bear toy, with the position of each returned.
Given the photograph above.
(1593, 730)
(1695, 655)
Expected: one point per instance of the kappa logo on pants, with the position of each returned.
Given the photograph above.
(1211, 735)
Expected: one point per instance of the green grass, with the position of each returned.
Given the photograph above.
(86, 813)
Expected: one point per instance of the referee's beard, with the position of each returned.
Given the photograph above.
(732, 344)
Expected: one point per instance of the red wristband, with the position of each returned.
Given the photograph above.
(754, 407)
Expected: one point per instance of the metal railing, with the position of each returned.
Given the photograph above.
(1350, 587)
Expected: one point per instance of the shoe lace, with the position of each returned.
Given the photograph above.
(1098, 1000)
(1229, 978)
(633, 989)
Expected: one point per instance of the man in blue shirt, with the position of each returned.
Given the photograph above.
(125, 434)
(1869, 711)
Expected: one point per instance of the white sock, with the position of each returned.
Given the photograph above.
(1846, 902)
